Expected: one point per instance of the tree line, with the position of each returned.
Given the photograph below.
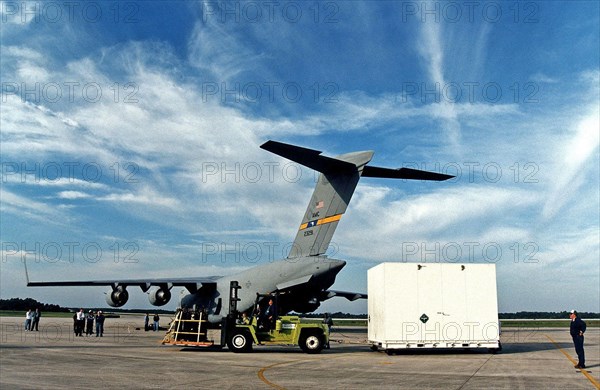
(521, 315)
(534, 315)
(29, 303)
(18, 304)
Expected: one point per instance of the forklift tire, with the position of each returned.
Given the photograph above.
(240, 342)
(311, 342)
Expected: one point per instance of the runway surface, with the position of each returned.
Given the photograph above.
(532, 358)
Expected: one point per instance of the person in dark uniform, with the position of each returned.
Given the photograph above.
(36, 319)
(99, 323)
(577, 331)
(156, 318)
(270, 316)
(75, 323)
(329, 322)
(89, 323)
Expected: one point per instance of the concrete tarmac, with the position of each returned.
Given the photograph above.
(532, 358)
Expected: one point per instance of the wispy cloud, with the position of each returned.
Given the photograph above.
(145, 196)
(431, 217)
(29, 208)
(432, 51)
(574, 156)
(73, 195)
(543, 78)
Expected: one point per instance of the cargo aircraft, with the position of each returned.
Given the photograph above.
(302, 280)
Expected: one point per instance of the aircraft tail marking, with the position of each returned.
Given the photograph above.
(322, 221)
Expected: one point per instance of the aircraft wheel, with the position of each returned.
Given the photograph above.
(240, 342)
(311, 343)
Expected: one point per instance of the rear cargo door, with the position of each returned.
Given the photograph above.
(454, 302)
(482, 301)
(429, 301)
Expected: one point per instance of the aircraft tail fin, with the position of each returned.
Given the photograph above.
(333, 191)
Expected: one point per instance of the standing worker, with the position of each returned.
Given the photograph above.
(99, 324)
(28, 317)
(35, 321)
(80, 323)
(75, 324)
(577, 331)
(89, 319)
(329, 322)
(156, 318)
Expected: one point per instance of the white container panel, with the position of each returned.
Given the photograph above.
(433, 305)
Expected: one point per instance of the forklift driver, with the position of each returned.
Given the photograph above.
(270, 316)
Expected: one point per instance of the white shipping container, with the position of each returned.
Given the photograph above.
(433, 305)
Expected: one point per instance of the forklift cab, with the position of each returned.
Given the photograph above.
(266, 315)
(264, 326)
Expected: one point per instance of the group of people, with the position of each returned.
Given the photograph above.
(83, 322)
(155, 324)
(32, 320)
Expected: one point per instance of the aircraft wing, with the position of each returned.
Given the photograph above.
(351, 296)
(191, 284)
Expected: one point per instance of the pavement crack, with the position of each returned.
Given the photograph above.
(475, 373)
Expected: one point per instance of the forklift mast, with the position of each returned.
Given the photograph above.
(234, 286)
(228, 322)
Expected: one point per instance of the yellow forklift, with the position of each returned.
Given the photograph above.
(189, 328)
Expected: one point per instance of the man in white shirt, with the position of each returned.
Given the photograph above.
(28, 318)
(80, 322)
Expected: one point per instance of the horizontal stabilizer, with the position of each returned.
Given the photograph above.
(333, 191)
(308, 157)
(403, 173)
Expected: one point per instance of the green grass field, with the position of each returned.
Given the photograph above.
(49, 314)
(20, 313)
(346, 322)
(505, 323)
(544, 324)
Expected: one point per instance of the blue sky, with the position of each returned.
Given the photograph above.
(130, 136)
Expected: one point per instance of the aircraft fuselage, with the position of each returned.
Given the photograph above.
(299, 281)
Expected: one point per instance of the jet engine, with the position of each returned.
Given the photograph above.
(159, 296)
(307, 306)
(117, 297)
